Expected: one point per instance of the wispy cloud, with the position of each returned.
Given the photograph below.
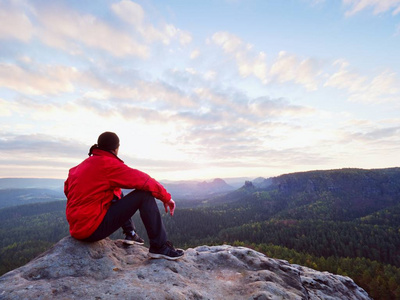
(397, 32)
(37, 79)
(15, 23)
(68, 30)
(285, 68)
(289, 68)
(133, 14)
(377, 135)
(43, 146)
(61, 27)
(247, 62)
(384, 87)
(377, 6)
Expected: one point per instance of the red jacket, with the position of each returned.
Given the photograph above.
(91, 186)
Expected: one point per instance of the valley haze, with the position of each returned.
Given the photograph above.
(26, 190)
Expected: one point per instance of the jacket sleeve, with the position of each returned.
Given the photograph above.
(66, 187)
(125, 177)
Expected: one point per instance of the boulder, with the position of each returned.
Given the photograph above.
(108, 269)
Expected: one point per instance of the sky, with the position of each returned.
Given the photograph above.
(200, 89)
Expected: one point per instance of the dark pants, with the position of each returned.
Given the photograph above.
(120, 213)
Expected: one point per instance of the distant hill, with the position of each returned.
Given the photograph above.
(14, 197)
(343, 194)
(197, 190)
(262, 182)
(19, 191)
(38, 183)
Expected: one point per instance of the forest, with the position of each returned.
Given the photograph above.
(343, 221)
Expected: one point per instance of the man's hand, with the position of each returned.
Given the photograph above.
(171, 206)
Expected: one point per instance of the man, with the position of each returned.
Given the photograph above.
(96, 207)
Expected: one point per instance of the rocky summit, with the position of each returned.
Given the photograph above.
(110, 270)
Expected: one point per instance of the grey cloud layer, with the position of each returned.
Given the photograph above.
(39, 144)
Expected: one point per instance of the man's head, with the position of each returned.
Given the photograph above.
(108, 141)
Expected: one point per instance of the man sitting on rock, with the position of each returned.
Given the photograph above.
(96, 206)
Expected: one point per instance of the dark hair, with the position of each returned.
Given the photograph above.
(107, 141)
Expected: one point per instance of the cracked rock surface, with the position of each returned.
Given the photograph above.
(110, 270)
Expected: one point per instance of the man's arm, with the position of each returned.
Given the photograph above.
(125, 177)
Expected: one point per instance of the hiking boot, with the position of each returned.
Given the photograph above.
(167, 251)
(133, 239)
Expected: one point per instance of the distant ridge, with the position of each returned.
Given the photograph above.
(37, 183)
(198, 189)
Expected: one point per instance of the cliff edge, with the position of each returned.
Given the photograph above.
(110, 270)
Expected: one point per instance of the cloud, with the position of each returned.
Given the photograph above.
(14, 23)
(194, 54)
(286, 68)
(46, 80)
(236, 107)
(188, 94)
(379, 134)
(384, 87)
(210, 75)
(200, 117)
(397, 32)
(373, 136)
(234, 125)
(68, 30)
(39, 155)
(378, 6)
(248, 64)
(290, 68)
(134, 14)
(42, 145)
(219, 104)
(130, 12)
(255, 66)
(37, 80)
(63, 28)
(265, 106)
(130, 112)
(149, 101)
(344, 79)
(5, 108)
(229, 42)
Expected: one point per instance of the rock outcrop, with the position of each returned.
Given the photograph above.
(110, 270)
